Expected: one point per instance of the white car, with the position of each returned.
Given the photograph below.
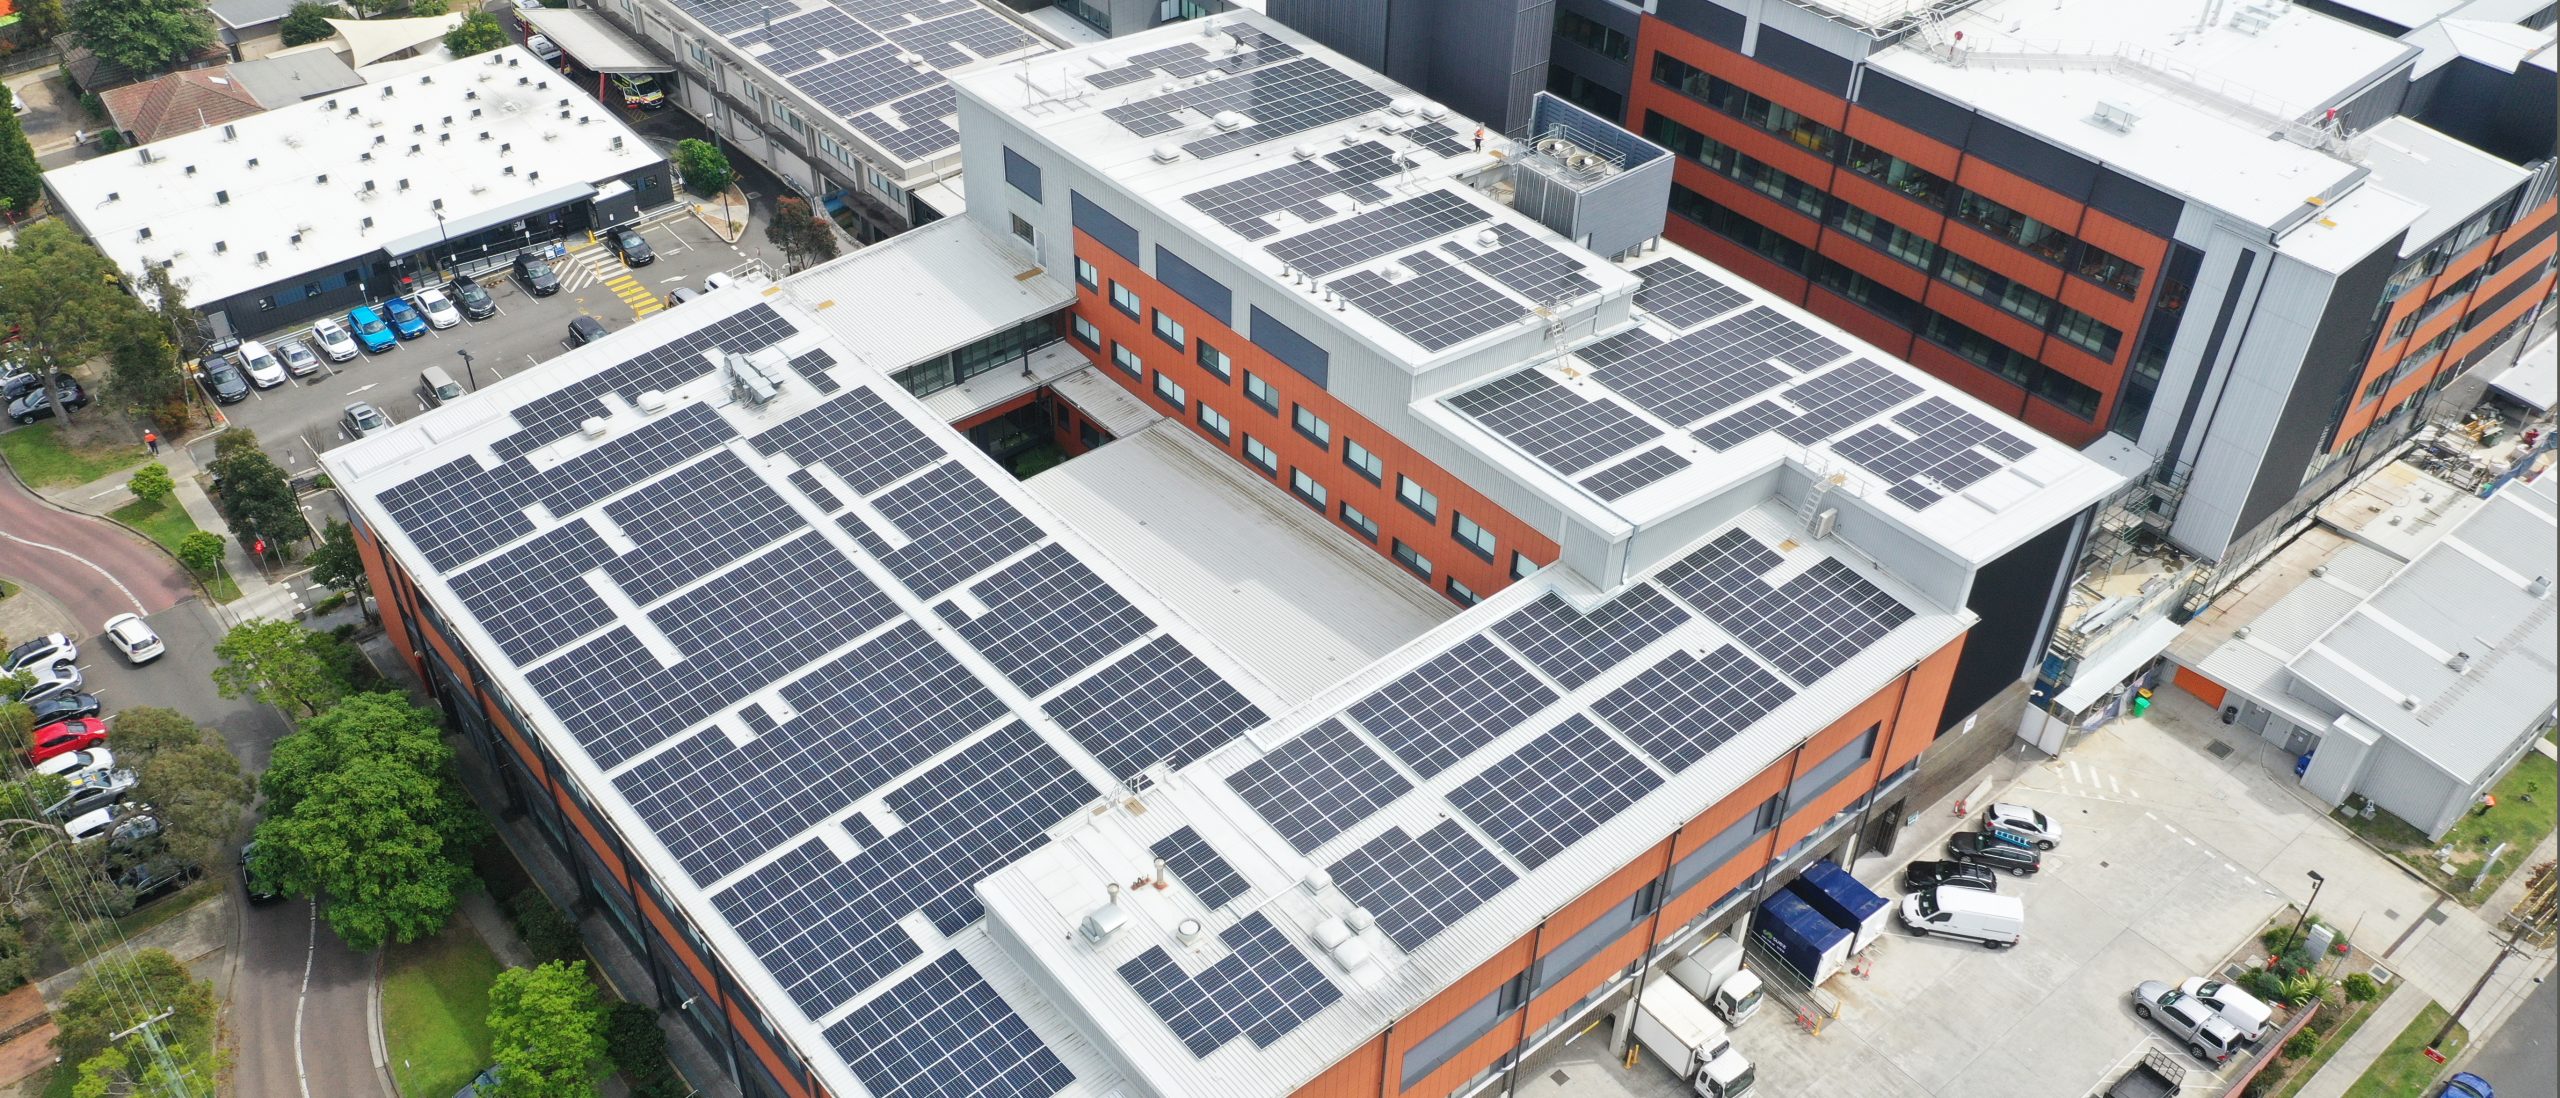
(50, 648)
(130, 823)
(266, 371)
(133, 636)
(438, 308)
(334, 339)
(2241, 1009)
(2024, 822)
(72, 764)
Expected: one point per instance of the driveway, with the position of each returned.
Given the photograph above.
(88, 563)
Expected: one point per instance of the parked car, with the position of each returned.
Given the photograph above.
(52, 681)
(76, 734)
(254, 879)
(262, 366)
(298, 359)
(404, 318)
(680, 295)
(1975, 848)
(536, 274)
(481, 1086)
(2241, 1009)
(370, 330)
(474, 300)
(437, 387)
(334, 340)
(223, 381)
(639, 91)
(715, 280)
(72, 764)
(542, 48)
(2020, 820)
(64, 707)
(122, 825)
(362, 419)
(49, 648)
(42, 403)
(438, 309)
(1924, 876)
(91, 792)
(2466, 1085)
(19, 382)
(2191, 1023)
(632, 247)
(134, 637)
(153, 878)
(584, 330)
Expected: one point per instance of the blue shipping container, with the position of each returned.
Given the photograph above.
(1809, 943)
(1840, 898)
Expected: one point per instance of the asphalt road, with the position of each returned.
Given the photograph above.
(2522, 1059)
(300, 1011)
(86, 562)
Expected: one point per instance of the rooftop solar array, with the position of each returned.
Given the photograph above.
(1260, 990)
(1418, 884)
(1807, 625)
(1276, 90)
(875, 64)
(1199, 867)
(1317, 784)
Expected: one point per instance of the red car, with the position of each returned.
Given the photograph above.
(73, 735)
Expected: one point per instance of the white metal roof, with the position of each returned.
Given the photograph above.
(596, 43)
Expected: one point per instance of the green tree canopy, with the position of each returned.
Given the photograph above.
(254, 493)
(308, 22)
(120, 991)
(705, 168)
(199, 791)
(546, 1032)
(276, 663)
(336, 564)
(363, 810)
(21, 178)
(145, 730)
(479, 32)
(200, 551)
(143, 36)
(803, 236)
(66, 297)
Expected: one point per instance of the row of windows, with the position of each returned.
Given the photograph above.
(2425, 265)
(2409, 364)
(995, 352)
(1582, 31)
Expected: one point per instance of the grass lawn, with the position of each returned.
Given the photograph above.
(2404, 1070)
(435, 1011)
(2300, 1072)
(2528, 806)
(43, 458)
(167, 523)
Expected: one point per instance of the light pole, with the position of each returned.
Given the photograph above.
(467, 371)
(2316, 881)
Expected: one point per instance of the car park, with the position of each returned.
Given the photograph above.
(134, 637)
(631, 246)
(2241, 1009)
(437, 387)
(361, 419)
(93, 791)
(254, 879)
(403, 317)
(1922, 876)
(298, 359)
(2189, 1022)
(223, 381)
(264, 370)
(153, 878)
(584, 330)
(53, 680)
(72, 764)
(473, 298)
(370, 330)
(64, 707)
(536, 274)
(1975, 848)
(438, 309)
(41, 403)
(334, 340)
(2027, 823)
(49, 648)
(76, 734)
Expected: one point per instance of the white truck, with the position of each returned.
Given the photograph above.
(1684, 1034)
(1714, 973)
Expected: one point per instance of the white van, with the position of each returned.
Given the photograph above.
(1994, 920)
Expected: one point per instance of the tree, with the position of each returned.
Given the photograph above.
(65, 297)
(200, 551)
(199, 791)
(308, 22)
(336, 564)
(253, 492)
(145, 37)
(17, 722)
(546, 1032)
(420, 9)
(276, 663)
(705, 168)
(803, 236)
(146, 730)
(364, 811)
(479, 32)
(119, 992)
(21, 178)
(151, 483)
(44, 18)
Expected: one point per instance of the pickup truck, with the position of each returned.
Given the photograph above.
(2158, 1075)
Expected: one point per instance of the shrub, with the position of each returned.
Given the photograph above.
(2303, 987)
(2276, 938)
(546, 932)
(151, 483)
(2301, 1045)
(2360, 988)
(639, 1050)
(705, 168)
(201, 552)
(2263, 984)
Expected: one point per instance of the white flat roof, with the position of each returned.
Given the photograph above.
(2450, 181)
(931, 289)
(225, 207)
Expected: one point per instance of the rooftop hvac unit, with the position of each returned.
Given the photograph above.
(1582, 162)
(2114, 116)
(1105, 920)
(1166, 154)
(592, 426)
(757, 387)
(1400, 105)
(1303, 150)
(1435, 112)
(1554, 146)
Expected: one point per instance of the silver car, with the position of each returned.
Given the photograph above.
(2197, 1026)
(298, 359)
(362, 419)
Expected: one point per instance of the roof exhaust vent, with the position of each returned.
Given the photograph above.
(1106, 920)
(1434, 111)
(1303, 150)
(1359, 920)
(1330, 933)
(221, 198)
(2114, 116)
(653, 401)
(145, 234)
(1825, 522)
(262, 259)
(1166, 153)
(592, 427)
(1189, 931)
(1229, 120)
(221, 246)
(2460, 662)
(1316, 881)
(2540, 586)
(1400, 105)
(2409, 701)
(230, 132)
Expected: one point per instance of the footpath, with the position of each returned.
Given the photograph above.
(262, 594)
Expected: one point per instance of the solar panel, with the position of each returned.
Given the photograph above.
(627, 459)
(1540, 799)
(1531, 267)
(1807, 625)
(954, 526)
(532, 598)
(943, 1032)
(1211, 880)
(1418, 884)
(1554, 424)
(1440, 712)
(1437, 138)
(1365, 236)
(1635, 473)
(557, 415)
(458, 510)
(1683, 707)
(1288, 98)
(1313, 787)
(856, 435)
(1433, 303)
(1574, 646)
(1157, 703)
(1943, 451)
(1299, 188)
(1684, 296)
(1825, 404)
(1263, 988)
(1708, 370)
(697, 521)
(1048, 617)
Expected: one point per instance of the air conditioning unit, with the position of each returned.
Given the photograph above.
(1166, 154)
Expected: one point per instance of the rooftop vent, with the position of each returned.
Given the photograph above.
(295, 240)
(1316, 881)
(230, 132)
(191, 169)
(444, 139)
(617, 144)
(1330, 933)
(368, 224)
(653, 401)
(509, 170)
(2540, 586)
(1228, 120)
(1098, 927)
(448, 120)
(1167, 153)
(253, 162)
(331, 104)
(112, 196)
(418, 128)
(381, 138)
(416, 149)
(2409, 701)
(426, 80)
(221, 198)
(1359, 920)
(403, 185)
(2460, 661)
(584, 119)
(354, 111)
(592, 426)
(1189, 931)
(322, 179)
(221, 246)
(1434, 111)
(523, 80)
(484, 135)
(146, 155)
(1303, 151)
(368, 185)
(387, 89)
(505, 147)
(564, 113)
(262, 259)
(437, 205)
(367, 155)
(1401, 105)
(145, 234)
(2114, 116)
(532, 177)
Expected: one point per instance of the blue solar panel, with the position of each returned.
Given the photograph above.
(1443, 710)
(943, 1032)
(1683, 707)
(1158, 703)
(1047, 618)
(1577, 647)
(1540, 799)
(1807, 625)
(1418, 884)
(1260, 990)
(1314, 786)
(1197, 865)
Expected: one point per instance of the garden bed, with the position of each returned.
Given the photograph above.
(2528, 805)
(2339, 987)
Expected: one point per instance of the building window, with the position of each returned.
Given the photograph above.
(1925, 188)
(1170, 391)
(1414, 562)
(1022, 174)
(1307, 489)
(1261, 455)
(1474, 536)
(1462, 594)
(1522, 567)
(2039, 239)
(2085, 332)
(1125, 300)
(1736, 101)
(1169, 330)
(1022, 228)
(2114, 273)
(1582, 31)
(1086, 275)
(1316, 430)
(698, 54)
(266, 303)
(1009, 347)
(1090, 14)
(1087, 334)
(1261, 392)
(1215, 422)
(1417, 497)
(1127, 359)
(1362, 461)
(1761, 240)
(1359, 523)
(1215, 361)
